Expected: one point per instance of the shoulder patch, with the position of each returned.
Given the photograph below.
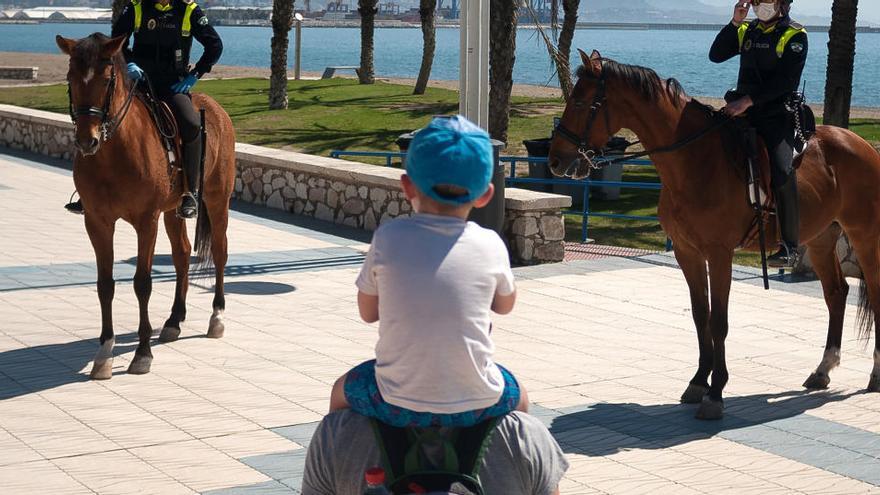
(203, 21)
(187, 1)
(796, 25)
(797, 47)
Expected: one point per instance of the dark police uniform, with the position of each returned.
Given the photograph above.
(771, 63)
(162, 40)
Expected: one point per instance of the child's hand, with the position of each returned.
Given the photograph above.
(504, 304)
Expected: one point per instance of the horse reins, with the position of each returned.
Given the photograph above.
(109, 124)
(583, 145)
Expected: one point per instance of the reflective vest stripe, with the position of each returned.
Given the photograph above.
(789, 34)
(741, 34)
(185, 27)
(138, 13)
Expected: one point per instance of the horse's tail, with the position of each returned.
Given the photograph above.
(203, 243)
(865, 315)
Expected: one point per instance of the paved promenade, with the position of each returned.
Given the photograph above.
(605, 347)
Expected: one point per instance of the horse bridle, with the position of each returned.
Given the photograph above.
(582, 142)
(109, 123)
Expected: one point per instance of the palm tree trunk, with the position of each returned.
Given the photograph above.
(429, 37)
(563, 64)
(502, 56)
(841, 56)
(368, 11)
(282, 21)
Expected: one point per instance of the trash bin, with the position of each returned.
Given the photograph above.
(402, 142)
(538, 148)
(613, 173)
(491, 216)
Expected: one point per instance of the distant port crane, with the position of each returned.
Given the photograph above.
(453, 8)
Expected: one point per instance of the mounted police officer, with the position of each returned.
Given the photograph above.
(773, 51)
(163, 32)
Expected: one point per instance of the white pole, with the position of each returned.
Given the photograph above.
(296, 65)
(474, 61)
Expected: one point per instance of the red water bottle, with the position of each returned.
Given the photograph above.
(375, 478)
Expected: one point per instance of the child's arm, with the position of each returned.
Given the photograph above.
(504, 304)
(369, 307)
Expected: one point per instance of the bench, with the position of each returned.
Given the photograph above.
(330, 71)
(7, 72)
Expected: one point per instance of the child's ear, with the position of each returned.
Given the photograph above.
(486, 197)
(409, 189)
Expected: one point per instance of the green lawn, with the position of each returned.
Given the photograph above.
(341, 114)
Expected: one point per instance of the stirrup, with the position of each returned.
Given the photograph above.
(189, 212)
(786, 257)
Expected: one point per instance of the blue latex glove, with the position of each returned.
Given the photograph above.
(135, 73)
(185, 85)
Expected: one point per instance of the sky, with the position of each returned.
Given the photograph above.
(868, 9)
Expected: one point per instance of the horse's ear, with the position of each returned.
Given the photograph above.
(585, 59)
(596, 62)
(64, 44)
(113, 46)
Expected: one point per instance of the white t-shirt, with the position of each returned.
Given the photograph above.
(436, 277)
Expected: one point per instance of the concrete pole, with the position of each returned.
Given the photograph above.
(474, 62)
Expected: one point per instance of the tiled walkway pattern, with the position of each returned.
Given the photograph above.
(605, 347)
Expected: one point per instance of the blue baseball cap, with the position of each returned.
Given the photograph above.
(452, 151)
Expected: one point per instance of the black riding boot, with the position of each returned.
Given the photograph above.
(192, 156)
(787, 211)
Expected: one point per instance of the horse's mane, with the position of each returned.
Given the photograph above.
(88, 54)
(641, 79)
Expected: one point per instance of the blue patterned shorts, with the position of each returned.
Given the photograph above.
(362, 394)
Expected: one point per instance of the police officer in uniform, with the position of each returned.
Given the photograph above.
(163, 32)
(773, 51)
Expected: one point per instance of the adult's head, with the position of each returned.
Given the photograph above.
(522, 457)
(770, 10)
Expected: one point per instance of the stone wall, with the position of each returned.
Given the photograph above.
(344, 192)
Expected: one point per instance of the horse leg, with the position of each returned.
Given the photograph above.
(694, 269)
(867, 248)
(720, 274)
(180, 252)
(823, 255)
(101, 236)
(143, 287)
(219, 215)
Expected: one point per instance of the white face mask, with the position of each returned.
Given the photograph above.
(766, 11)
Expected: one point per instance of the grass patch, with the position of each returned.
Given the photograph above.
(342, 114)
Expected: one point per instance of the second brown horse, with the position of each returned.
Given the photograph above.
(704, 205)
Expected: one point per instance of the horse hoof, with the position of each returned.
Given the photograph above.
(140, 365)
(874, 384)
(693, 394)
(169, 334)
(710, 409)
(817, 381)
(216, 328)
(102, 370)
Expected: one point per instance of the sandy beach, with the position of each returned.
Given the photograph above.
(53, 70)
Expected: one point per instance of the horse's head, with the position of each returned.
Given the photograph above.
(587, 122)
(96, 68)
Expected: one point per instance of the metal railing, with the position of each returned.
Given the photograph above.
(586, 184)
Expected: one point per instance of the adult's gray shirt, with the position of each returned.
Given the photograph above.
(522, 458)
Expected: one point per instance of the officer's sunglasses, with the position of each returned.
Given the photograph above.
(758, 2)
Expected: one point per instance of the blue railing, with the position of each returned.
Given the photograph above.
(585, 184)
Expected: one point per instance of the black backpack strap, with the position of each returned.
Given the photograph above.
(472, 444)
(393, 445)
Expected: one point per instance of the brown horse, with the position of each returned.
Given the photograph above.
(121, 172)
(704, 205)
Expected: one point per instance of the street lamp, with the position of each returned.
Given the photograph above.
(299, 19)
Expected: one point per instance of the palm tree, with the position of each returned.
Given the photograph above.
(841, 55)
(282, 21)
(563, 45)
(367, 9)
(502, 56)
(429, 37)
